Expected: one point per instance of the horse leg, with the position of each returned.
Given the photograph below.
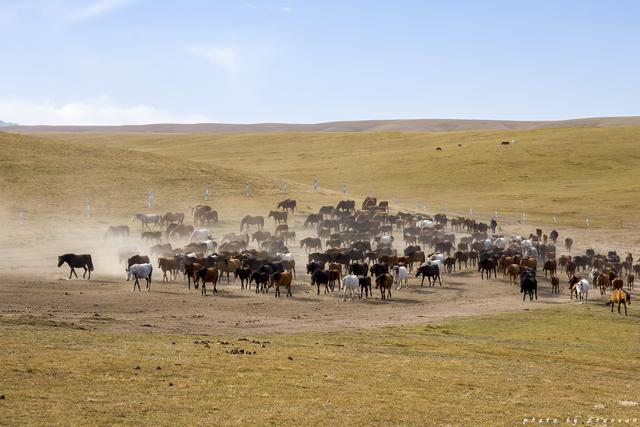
(289, 294)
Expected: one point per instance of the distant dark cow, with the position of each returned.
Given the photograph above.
(505, 143)
(137, 259)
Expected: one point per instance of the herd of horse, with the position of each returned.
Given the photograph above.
(353, 249)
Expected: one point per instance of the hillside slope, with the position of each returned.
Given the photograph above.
(410, 125)
(573, 173)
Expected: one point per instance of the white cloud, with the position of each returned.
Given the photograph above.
(100, 111)
(286, 9)
(224, 57)
(96, 9)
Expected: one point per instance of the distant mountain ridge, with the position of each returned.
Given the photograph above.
(4, 124)
(404, 125)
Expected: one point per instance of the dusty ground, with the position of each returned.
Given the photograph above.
(35, 287)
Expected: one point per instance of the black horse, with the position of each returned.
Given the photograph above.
(429, 271)
(528, 284)
(77, 261)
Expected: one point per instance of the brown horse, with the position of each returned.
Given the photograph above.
(250, 220)
(288, 204)
(384, 282)
(620, 296)
(279, 217)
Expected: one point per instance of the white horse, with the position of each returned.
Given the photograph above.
(400, 274)
(437, 257)
(285, 257)
(385, 240)
(147, 219)
(501, 243)
(199, 235)
(350, 283)
(487, 244)
(140, 271)
(211, 245)
(425, 223)
(582, 289)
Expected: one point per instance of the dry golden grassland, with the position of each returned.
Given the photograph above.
(571, 172)
(572, 361)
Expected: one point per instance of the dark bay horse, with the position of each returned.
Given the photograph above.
(77, 261)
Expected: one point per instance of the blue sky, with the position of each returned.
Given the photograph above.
(142, 61)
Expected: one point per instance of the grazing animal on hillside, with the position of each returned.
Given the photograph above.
(77, 261)
(313, 219)
(140, 271)
(250, 220)
(208, 275)
(279, 217)
(282, 279)
(288, 204)
(620, 296)
(146, 219)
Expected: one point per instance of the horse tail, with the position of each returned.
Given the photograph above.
(89, 262)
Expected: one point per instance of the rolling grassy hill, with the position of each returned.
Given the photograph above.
(573, 173)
